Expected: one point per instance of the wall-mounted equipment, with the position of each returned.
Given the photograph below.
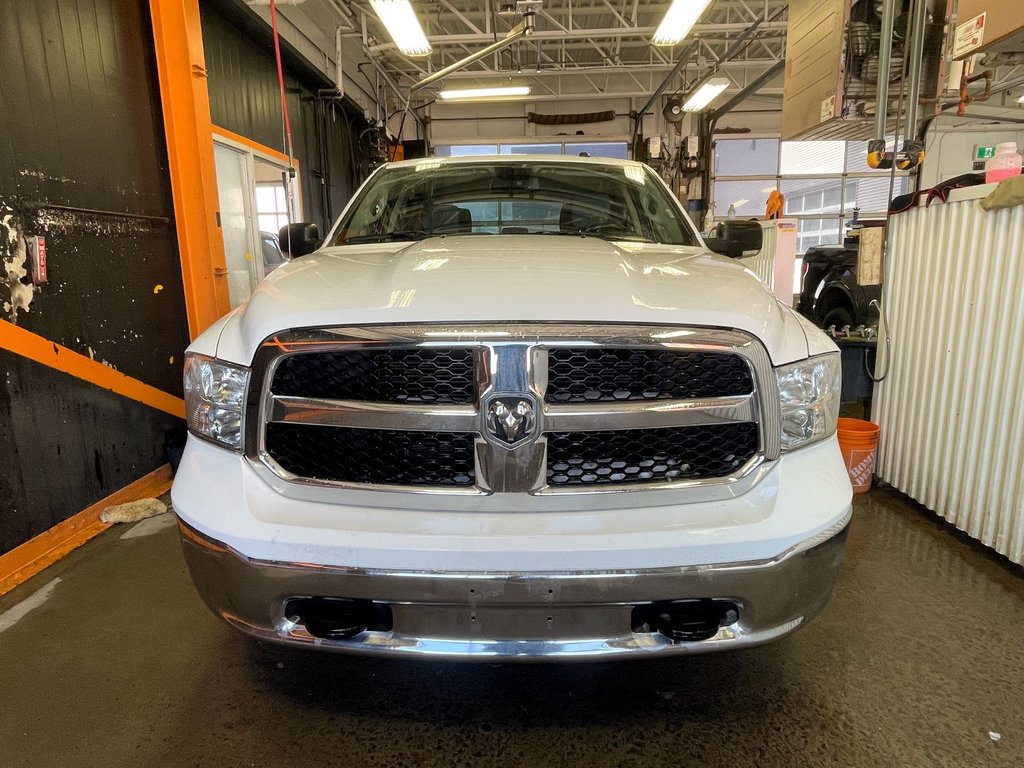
(673, 110)
(840, 63)
(35, 246)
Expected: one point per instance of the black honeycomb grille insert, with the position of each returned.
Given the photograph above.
(374, 456)
(649, 455)
(609, 374)
(391, 375)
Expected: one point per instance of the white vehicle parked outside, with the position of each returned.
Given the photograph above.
(513, 407)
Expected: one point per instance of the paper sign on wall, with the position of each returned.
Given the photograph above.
(969, 35)
(828, 108)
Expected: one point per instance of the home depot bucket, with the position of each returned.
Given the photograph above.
(858, 440)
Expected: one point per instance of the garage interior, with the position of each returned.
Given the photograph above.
(153, 153)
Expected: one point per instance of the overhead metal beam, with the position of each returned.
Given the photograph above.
(767, 75)
(556, 69)
(584, 33)
(524, 28)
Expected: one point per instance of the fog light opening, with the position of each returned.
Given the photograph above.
(338, 618)
(685, 620)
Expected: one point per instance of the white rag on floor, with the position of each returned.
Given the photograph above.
(133, 511)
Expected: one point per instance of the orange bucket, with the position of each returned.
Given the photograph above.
(858, 440)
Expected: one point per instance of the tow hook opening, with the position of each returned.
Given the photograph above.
(338, 618)
(685, 620)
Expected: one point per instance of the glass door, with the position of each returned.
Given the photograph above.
(237, 224)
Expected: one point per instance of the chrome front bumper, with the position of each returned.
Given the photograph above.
(520, 616)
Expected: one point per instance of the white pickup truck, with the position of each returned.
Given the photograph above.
(513, 407)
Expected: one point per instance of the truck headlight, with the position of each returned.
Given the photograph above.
(809, 393)
(215, 399)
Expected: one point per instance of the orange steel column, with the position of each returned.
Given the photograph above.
(181, 66)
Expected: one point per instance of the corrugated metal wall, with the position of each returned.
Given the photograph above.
(244, 98)
(952, 407)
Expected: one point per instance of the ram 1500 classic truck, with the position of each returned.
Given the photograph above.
(513, 407)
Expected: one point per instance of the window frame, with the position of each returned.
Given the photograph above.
(567, 144)
(278, 212)
(835, 219)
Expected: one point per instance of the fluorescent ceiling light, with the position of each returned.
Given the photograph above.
(485, 93)
(403, 26)
(704, 95)
(679, 20)
(1020, 100)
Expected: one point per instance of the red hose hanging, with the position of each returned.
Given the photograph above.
(280, 82)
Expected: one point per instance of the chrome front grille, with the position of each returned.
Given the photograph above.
(372, 456)
(598, 374)
(541, 409)
(379, 375)
(649, 455)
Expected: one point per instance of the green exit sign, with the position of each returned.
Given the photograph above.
(984, 153)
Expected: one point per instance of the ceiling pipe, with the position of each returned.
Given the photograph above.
(339, 75)
(916, 54)
(748, 90)
(884, 63)
(521, 30)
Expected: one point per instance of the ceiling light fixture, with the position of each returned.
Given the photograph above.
(679, 20)
(502, 92)
(704, 95)
(403, 26)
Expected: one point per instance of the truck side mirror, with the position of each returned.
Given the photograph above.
(299, 239)
(736, 238)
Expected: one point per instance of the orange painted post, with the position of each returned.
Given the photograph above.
(181, 66)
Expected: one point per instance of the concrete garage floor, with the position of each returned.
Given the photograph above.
(919, 656)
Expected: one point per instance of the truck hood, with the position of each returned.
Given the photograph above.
(512, 278)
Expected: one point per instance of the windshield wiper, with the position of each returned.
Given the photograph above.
(602, 233)
(383, 237)
(406, 234)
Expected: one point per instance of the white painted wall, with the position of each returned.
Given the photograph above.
(950, 142)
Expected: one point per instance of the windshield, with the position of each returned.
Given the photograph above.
(523, 198)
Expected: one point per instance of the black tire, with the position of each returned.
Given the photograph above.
(837, 316)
